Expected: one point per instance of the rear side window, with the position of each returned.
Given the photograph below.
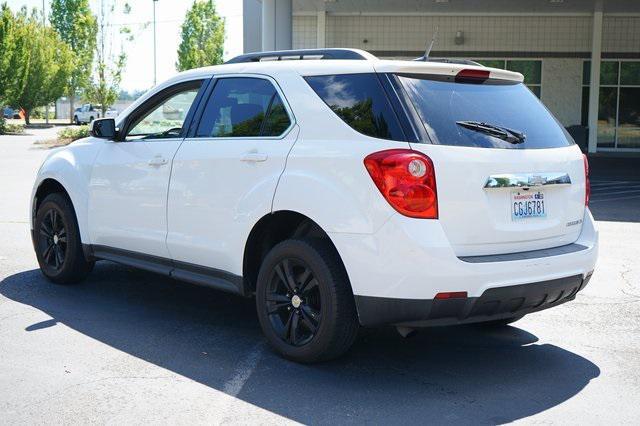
(277, 120)
(243, 107)
(360, 101)
(444, 106)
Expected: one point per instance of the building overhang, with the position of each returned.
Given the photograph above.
(475, 7)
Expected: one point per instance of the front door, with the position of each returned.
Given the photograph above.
(130, 177)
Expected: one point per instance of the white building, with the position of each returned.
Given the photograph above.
(581, 57)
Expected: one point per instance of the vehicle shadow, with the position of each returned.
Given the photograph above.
(443, 375)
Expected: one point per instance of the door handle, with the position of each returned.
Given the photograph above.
(254, 157)
(158, 161)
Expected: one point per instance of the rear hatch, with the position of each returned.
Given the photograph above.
(509, 177)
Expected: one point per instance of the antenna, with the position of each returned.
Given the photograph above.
(425, 57)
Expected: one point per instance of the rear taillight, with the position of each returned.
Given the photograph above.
(587, 190)
(406, 180)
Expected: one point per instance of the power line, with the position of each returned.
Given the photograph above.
(125, 24)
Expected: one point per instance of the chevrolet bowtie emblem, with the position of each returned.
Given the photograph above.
(537, 180)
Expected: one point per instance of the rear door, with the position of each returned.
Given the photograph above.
(225, 174)
(498, 193)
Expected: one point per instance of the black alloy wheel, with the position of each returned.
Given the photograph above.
(304, 301)
(293, 302)
(57, 243)
(53, 240)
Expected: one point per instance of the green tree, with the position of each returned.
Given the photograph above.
(202, 37)
(104, 88)
(6, 53)
(61, 65)
(41, 64)
(76, 25)
(7, 23)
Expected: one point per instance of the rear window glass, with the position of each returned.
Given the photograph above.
(277, 120)
(360, 101)
(442, 104)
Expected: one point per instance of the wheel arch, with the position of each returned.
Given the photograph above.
(69, 169)
(66, 171)
(47, 186)
(51, 186)
(272, 229)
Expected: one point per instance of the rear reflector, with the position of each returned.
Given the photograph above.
(451, 295)
(472, 76)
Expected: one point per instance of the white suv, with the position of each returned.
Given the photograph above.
(340, 190)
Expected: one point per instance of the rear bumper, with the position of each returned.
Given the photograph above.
(399, 269)
(494, 304)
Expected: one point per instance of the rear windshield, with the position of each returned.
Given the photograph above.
(443, 104)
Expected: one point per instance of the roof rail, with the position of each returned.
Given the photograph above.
(300, 54)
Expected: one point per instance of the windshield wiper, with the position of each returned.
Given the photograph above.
(508, 135)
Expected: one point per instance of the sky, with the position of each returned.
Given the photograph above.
(169, 17)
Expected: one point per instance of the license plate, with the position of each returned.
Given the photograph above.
(527, 204)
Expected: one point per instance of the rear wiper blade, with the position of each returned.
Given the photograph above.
(504, 133)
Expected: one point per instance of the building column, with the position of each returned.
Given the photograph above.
(321, 27)
(594, 85)
(276, 24)
(251, 26)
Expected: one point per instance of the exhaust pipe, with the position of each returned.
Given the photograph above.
(406, 332)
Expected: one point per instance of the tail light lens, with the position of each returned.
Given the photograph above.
(587, 192)
(472, 76)
(406, 180)
(451, 295)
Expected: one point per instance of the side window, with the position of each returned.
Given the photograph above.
(277, 120)
(241, 107)
(166, 118)
(359, 100)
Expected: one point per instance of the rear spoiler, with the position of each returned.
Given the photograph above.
(446, 69)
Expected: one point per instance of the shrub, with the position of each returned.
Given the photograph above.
(73, 133)
(6, 128)
(14, 128)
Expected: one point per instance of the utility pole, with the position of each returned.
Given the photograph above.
(154, 42)
(44, 23)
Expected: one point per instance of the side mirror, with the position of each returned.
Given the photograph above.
(104, 128)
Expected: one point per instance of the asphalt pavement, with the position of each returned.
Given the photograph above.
(130, 347)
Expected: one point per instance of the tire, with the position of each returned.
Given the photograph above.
(57, 241)
(499, 323)
(75, 120)
(90, 120)
(322, 323)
